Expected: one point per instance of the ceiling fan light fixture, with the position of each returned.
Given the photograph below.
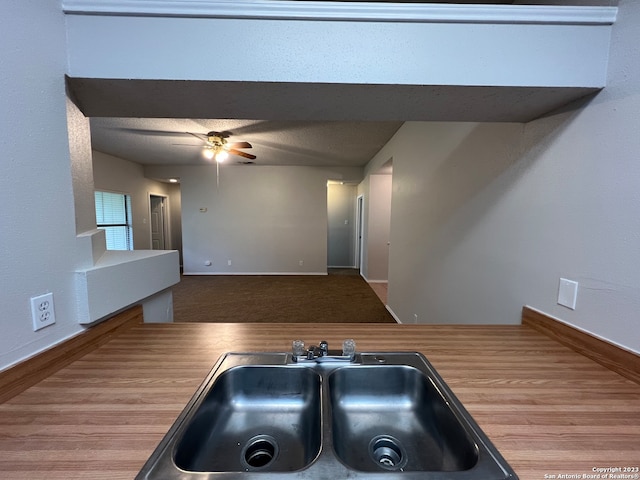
(221, 156)
(208, 153)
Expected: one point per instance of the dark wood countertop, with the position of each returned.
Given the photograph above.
(548, 409)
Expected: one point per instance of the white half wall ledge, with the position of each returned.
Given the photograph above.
(123, 278)
(348, 11)
(91, 247)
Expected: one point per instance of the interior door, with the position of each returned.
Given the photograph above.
(158, 222)
(359, 229)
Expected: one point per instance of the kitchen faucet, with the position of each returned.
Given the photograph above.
(321, 352)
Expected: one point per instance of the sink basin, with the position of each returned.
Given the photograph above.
(367, 416)
(393, 418)
(250, 415)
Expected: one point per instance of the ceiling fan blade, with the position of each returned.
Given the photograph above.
(239, 145)
(142, 131)
(199, 136)
(241, 154)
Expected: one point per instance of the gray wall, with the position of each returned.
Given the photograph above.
(262, 219)
(115, 174)
(37, 220)
(47, 224)
(487, 217)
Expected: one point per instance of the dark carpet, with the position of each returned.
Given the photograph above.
(336, 298)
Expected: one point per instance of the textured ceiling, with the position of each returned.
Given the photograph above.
(291, 124)
(160, 141)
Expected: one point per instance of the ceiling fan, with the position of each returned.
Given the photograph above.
(217, 146)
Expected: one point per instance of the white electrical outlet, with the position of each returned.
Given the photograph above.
(42, 311)
(229, 263)
(301, 263)
(568, 293)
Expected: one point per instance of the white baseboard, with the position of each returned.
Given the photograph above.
(254, 273)
(395, 317)
(373, 280)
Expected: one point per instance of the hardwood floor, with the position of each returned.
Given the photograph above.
(381, 290)
(548, 409)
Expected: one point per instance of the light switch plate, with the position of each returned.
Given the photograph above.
(568, 293)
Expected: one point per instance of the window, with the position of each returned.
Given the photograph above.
(113, 215)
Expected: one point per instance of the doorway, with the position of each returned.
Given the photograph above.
(158, 222)
(359, 229)
(340, 224)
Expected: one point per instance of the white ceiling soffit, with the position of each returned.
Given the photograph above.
(317, 102)
(407, 11)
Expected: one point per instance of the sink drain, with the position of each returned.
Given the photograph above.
(260, 451)
(387, 452)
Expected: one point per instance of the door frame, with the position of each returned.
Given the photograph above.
(359, 240)
(165, 220)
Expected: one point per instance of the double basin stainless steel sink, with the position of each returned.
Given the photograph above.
(325, 416)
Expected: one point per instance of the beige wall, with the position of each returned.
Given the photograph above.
(262, 219)
(38, 218)
(115, 174)
(486, 218)
(378, 228)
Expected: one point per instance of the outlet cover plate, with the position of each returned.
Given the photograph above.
(42, 312)
(568, 293)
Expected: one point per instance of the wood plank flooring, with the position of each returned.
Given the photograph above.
(381, 289)
(548, 409)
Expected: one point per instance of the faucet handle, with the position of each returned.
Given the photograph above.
(324, 348)
(349, 347)
(298, 349)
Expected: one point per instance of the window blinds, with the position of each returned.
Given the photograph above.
(113, 215)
